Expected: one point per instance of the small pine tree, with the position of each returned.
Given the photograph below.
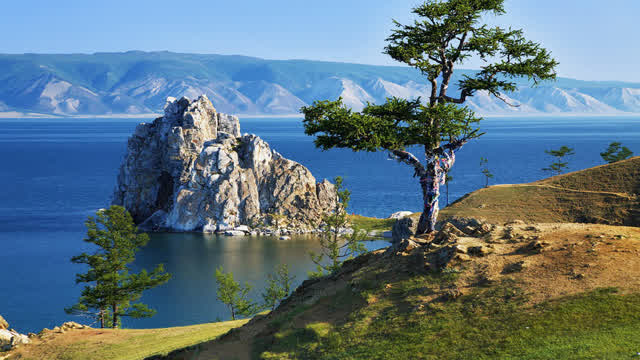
(234, 295)
(278, 287)
(113, 290)
(277, 219)
(559, 166)
(335, 247)
(484, 166)
(616, 152)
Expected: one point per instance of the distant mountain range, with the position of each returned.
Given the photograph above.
(139, 82)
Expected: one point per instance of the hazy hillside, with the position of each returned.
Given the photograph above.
(139, 82)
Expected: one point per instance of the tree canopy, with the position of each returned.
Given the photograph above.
(336, 247)
(616, 152)
(112, 290)
(234, 295)
(444, 35)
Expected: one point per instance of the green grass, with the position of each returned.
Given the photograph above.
(491, 323)
(111, 344)
(371, 224)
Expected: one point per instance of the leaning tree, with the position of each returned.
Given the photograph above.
(445, 34)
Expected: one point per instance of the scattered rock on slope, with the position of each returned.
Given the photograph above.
(10, 338)
(192, 170)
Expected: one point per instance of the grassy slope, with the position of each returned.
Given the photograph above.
(394, 307)
(603, 194)
(100, 344)
(371, 224)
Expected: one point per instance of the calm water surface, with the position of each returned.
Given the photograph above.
(56, 172)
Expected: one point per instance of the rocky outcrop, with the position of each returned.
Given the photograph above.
(400, 214)
(192, 170)
(10, 338)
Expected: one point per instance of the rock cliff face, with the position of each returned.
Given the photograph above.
(192, 170)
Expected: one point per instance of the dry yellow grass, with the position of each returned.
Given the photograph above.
(607, 194)
(102, 344)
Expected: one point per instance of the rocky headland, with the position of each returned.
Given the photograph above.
(193, 170)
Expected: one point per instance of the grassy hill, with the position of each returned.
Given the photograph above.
(558, 291)
(101, 344)
(607, 194)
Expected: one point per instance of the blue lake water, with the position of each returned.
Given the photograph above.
(56, 172)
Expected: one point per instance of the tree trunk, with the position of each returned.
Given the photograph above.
(430, 192)
(101, 318)
(435, 175)
(115, 316)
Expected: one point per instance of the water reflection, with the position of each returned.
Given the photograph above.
(190, 296)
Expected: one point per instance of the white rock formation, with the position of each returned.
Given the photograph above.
(400, 214)
(10, 338)
(191, 170)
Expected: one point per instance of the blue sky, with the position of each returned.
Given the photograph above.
(593, 40)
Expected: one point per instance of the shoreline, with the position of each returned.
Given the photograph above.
(19, 115)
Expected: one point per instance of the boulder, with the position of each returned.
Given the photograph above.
(243, 228)
(192, 170)
(514, 267)
(448, 234)
(284, 237)
(400, 214)
(479, 250)
(403, 247)
(71, 325)
(405, 228)
(10, 339)
(234, 233)
(3, 323)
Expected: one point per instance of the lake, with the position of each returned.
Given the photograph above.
(58, 171)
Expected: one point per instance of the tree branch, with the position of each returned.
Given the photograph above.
(460, 100)
(498, 96)
(434, 91)
(455, 144)
(409, 159)
(456, 56)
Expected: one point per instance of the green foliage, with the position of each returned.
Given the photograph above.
(113, 291)
(449, 32)
(484, 166)
(335, 248)
(276, 219)
(278, 287)
(616, 152)
(560, 165)
(394, 125)
(446, 33)
(234, 295)
(370, 224)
